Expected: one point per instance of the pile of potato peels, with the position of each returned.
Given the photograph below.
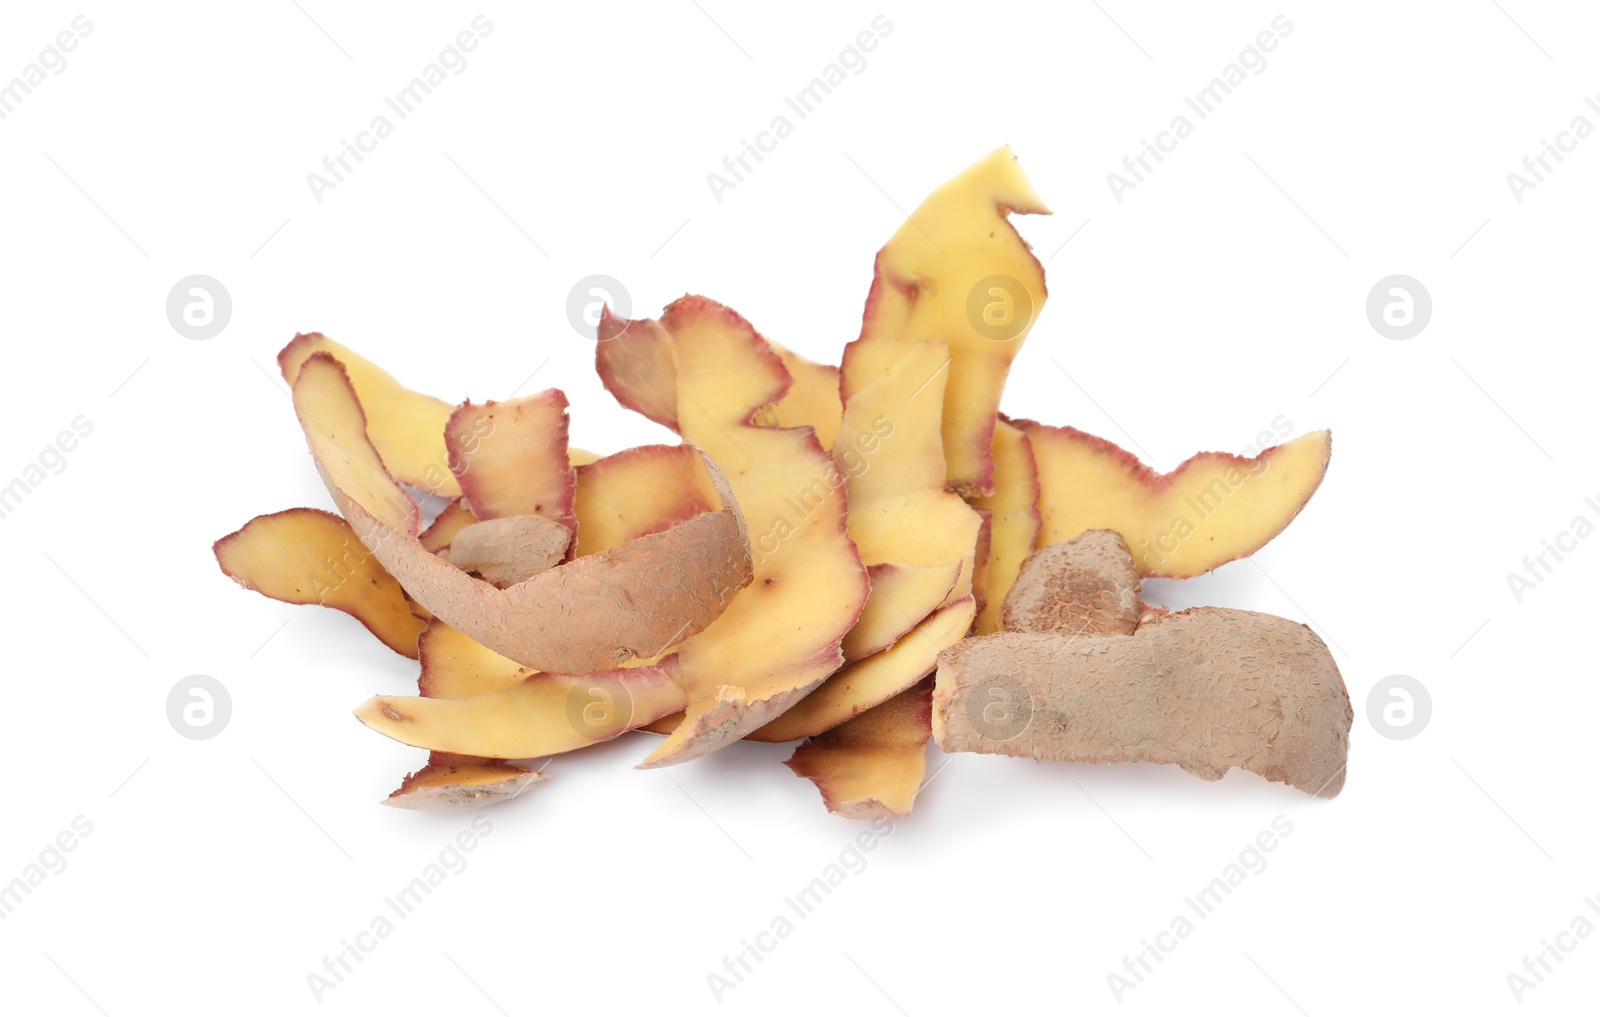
(860, 558)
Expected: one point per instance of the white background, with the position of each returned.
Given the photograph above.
(1227, 289)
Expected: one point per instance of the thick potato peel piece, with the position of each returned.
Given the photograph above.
(1014, 519)
(308, 556)
(1208, 688)
(957, 270)
(591, 614)
(858, 687)
(1087, 586)
(873, 766)
(509, 550)
(406, 427)
(542, 715)
(462, 782)
(1212, 509)
(780, 637)
(511, 458)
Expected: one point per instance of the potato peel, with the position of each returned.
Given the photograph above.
(873, 766)
(634, 361)
(1014, 519)
(462, 782)
(901, 596)
(858, 687)
(308, 556)
(511, 458)
(1213, 509)
(640, 491)
(542, 715)
(406, 427)
(1207, 689)
(455, 667)
(1088, 586)
(451, 520)
(509, 550)
(952, 264)
(754, 661)
(861, 558)
(902, 518)
(591, 614)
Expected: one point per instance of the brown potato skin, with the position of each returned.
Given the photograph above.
(1207, 689)
(1087, 586)
(510, 549)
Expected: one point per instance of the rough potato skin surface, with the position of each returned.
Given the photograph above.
(1087, 586)
(510, 549)
(1207, 689)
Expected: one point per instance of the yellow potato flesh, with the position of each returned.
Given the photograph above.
(900, 511)
(406, 427)
(900, 597)
(873, 766)
(860, 686)
(957, 270)
(639, 491)
(780, 636)
(307, 556)
(1013, 519)
(455, 666)
(539, 716)
(813, 397)
(1211, 510)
